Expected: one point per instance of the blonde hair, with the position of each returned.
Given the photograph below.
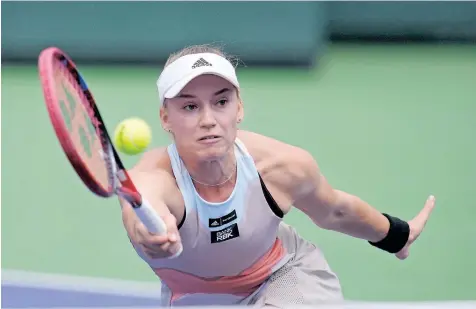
(203, 48)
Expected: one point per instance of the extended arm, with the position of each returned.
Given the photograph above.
(154, 246)
(336, 210)
(294, 176)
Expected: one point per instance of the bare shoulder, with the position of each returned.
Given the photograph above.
(156, 158)
(285, 168)
(268, 152)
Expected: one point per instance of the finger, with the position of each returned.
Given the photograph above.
(152, 247)
(155, 255)
(155, 240)
(151, 239)
(176, 248)
(143, 234)
(172, 231)
(425, 213)
(165, 247)
(149, 253)
(163, 251)
(403, 254)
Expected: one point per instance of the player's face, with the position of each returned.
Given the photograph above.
(203, 117)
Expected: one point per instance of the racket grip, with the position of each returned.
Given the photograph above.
(153, 222)
(150, 218)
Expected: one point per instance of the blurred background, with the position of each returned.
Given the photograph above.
(383, 94)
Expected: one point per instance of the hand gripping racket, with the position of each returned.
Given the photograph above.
(83, 136)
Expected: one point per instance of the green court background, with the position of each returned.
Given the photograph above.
(391, 124)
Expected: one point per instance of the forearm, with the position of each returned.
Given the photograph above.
(353, 216)
(129, 219)
(345, 213)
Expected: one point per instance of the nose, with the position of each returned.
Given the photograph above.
(207, 118)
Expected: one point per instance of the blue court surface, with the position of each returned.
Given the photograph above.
(22, 289)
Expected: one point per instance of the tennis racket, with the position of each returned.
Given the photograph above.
(84, 138)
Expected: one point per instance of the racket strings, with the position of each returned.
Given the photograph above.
(84, 127)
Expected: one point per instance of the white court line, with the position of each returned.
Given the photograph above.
(21, 278)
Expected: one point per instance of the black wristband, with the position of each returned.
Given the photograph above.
(397, 236)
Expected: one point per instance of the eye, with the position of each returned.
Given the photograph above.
(190, 107)
(222, 102)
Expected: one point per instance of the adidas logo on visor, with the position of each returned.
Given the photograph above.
(200, 63)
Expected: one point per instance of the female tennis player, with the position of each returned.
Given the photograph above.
(223, 193)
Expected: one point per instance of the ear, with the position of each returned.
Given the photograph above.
(241, 110)
(164, 117)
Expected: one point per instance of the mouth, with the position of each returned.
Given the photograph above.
(209, 138)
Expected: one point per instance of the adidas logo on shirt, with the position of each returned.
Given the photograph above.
(200, 63)
(215, 222)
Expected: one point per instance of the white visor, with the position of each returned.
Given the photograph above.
(180, 72)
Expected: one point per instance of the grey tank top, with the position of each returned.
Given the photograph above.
(230, 248)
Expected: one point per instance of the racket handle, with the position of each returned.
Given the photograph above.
(153, 222)
(150, 218)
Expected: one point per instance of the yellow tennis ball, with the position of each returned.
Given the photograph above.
(132, 136)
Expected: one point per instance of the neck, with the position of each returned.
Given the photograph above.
(213, 173)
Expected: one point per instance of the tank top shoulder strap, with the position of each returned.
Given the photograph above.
(178, 168)
(247, 162)
(252, 171)
(242, 148)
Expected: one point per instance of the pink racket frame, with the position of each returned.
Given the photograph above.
(46, 63)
